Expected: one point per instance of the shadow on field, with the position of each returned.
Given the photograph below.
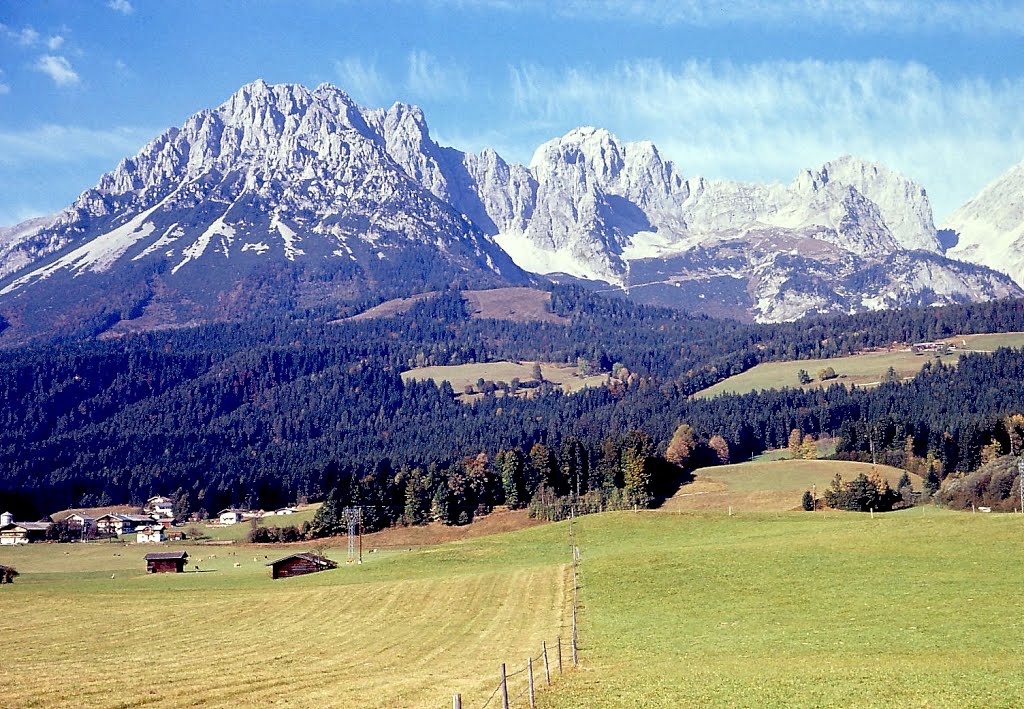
(671, 478)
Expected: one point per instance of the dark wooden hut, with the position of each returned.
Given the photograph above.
(299, 565)
(166, 562)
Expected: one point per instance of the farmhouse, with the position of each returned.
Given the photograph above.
(81, 522)
(150, 534)
(14, 533)
(231, 515)
(284, 511)
(175, 535)
(159, 506)
(113, 524)
(166, 562)
(299, 565)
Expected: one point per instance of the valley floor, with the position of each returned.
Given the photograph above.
(916, 608)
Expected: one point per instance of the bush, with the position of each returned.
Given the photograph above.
(807, 502)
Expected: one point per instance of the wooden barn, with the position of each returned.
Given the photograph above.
(166, 562)
(299, 565)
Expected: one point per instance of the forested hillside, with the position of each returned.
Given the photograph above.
(263, 412)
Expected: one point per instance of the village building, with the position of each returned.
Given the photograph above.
(12, 533)
(114, 524)
(150, 534)
(231, 515)
(285, 511)
(299, 565)
(160, 506)
(81, 522)
(175, 535)
(166, 562)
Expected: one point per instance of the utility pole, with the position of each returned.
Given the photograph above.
(1020, 481)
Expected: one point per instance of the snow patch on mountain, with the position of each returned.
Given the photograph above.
(990, 227)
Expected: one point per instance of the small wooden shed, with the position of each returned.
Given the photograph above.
(299, 565)
(166, 562)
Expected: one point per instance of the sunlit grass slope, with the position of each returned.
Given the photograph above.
(405, 629)
(915, 609)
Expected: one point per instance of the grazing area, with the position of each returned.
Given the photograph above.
(462, 375)
(915, 608)
(770, 486)
(866, 369)
(404, 629)
(515, 304)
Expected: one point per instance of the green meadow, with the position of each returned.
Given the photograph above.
(866, 369)
(917, 608)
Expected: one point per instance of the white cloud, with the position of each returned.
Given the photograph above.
(122, 6)
(26, 36)
(54, 43)
(885, 16)
(429, 77)
(68, 144)
(57, 68)
(4, 89)
(767, 121)
(363, 81)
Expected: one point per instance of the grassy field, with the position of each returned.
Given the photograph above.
(863, 369)
(915, 609)
(405, 629)
(768, 486)
(460, 375)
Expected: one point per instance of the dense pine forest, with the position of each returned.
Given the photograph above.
(266, 412)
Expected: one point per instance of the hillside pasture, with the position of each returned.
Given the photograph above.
(404, 629)
(865, 369)
(836, 609)
(515, 304)
(459, 376)
(771, 486)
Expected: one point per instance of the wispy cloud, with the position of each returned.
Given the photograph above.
(57, 68)
(122, 6)
(362, 80)
(54, 42)
(430, 77)
(766, 121)
(69, 144)
(885, 16)
(25, 37)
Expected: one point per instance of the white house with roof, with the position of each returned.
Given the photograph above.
(231, 515)
(160, 506)
(150, 534)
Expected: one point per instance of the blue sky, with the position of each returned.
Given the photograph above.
(739, 90)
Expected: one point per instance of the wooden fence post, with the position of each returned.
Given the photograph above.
(504, 688)
(457, 701)
(547, 668)
(529, 671)
(559, 654)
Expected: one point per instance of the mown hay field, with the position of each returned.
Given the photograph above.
(769, 486)
(405, 629)
(460, 375)
(916, 608)
(865, 369)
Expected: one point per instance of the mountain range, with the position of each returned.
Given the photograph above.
(286, 198)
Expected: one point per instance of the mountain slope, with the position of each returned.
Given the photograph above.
(990, 227)
(285, 198)
(279, 182)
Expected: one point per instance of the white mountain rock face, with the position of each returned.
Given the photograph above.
(297, 176)
(991, 226)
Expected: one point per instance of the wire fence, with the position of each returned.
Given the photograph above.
(518, 688)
